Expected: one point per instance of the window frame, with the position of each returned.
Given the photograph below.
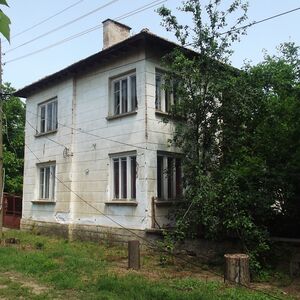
(169, 188)
(43, 117)
(46, 190)
(166, 97)
(123, 105)
(119, 162)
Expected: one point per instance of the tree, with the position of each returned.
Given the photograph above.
(13, 140)
(4, 22)
(233, 183)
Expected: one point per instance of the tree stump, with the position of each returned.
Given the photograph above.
(237, 269)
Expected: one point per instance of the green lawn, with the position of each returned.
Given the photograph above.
(50, 268)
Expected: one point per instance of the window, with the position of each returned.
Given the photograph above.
(47, 182)
(124, 94)
(124, 177)
(48, 116)
(169, 177)
(164, 98)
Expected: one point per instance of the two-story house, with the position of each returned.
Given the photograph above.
(97, 153)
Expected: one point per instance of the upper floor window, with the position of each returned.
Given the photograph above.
(124, 169)
(124, 94)
(164, 94)
(169, 177)
(48, 116)
(47, 181)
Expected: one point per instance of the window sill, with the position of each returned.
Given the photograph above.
(130, 113)
(166, 202)
(41, 201)
(122, 202)
(161, 113)
(45, 133)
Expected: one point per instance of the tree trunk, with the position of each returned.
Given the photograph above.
(237, 269)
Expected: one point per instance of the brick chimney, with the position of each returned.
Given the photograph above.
(114, 32)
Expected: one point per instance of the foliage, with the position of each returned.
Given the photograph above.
(13, 140)
(4, 22)
(237, 129)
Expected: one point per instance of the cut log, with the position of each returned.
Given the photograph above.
(134, 255)
(237, 269)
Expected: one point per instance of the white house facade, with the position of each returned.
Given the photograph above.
(97, 156)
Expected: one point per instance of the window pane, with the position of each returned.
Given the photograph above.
(178, 177)
(160, 177)
(170, 177)
(52, 182)
(117, 98)
(47, 182)
(49, 116)
(168, 96)
(42, 174)
(124, 177)
(43, 119)
(54, 120)
(158, 91)
(124, 96)
(133, 92)
(133, 177)
(116, 178)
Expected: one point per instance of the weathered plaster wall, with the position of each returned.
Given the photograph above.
(87, 172)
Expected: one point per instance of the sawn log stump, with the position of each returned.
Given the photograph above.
(237, 269)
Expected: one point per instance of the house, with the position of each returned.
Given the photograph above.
(97, 158)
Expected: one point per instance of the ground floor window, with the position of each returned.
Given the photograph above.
(124, 177)
(47, 181)
(169, 176)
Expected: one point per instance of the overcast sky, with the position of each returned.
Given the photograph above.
(24, 14)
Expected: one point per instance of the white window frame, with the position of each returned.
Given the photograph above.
(132, 103)
(161, 95)
(164, 192)
(46, 184)
(131, 192)
(49, 125)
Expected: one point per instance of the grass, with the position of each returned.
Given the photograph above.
(46, 268)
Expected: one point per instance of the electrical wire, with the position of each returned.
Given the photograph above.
(62, 26)
(261, 21)
(47, 19)
(88, 133)
(129, 14)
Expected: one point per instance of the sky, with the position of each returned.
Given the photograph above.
(27, 13)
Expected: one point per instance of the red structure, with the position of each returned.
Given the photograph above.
(12, 210)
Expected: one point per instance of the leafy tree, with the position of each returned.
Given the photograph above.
(232, 127)
(13, 140)
(4, 22)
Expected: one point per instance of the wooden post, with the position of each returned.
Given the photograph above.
(134, 255)
(237, 269)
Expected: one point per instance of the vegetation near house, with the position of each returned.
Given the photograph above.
(13, 140)
(239, 132)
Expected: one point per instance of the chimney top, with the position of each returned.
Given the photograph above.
(114, 32)
(117, 23)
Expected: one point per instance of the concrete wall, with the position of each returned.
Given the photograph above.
(83, 103)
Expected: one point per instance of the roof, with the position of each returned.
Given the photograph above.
(94, 60)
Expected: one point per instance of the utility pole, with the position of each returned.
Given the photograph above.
(1, 149)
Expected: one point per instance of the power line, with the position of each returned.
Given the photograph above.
(129, 14)
(47, 19)
(91, 134)
(261, 21)
(148, 243)
(62, 26)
